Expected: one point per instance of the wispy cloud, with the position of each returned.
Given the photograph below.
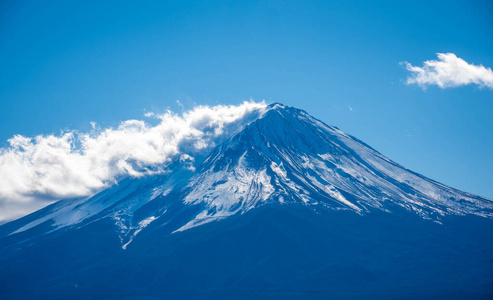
(36, 171)
(449, 71)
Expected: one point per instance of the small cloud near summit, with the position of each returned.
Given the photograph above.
(449, 71)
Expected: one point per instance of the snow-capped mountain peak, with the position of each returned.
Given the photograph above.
(282, 156)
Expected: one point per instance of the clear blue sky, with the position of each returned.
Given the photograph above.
(66, 63)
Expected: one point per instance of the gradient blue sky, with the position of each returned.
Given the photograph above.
(66, 63)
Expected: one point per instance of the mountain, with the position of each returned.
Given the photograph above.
(286, 207)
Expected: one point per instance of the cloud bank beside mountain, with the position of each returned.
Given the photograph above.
(34, 172)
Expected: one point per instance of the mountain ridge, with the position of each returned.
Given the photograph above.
(283, 155)
(286, 207)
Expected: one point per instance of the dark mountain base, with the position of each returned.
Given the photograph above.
(275, 251)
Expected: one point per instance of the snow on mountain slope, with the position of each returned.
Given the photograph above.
(288, 156)
(283, 156)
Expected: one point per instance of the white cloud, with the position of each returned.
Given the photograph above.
(449, 71)
(37, 171)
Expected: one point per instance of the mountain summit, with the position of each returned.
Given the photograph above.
(268, 198)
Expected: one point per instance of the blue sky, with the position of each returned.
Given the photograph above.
(65, 64)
